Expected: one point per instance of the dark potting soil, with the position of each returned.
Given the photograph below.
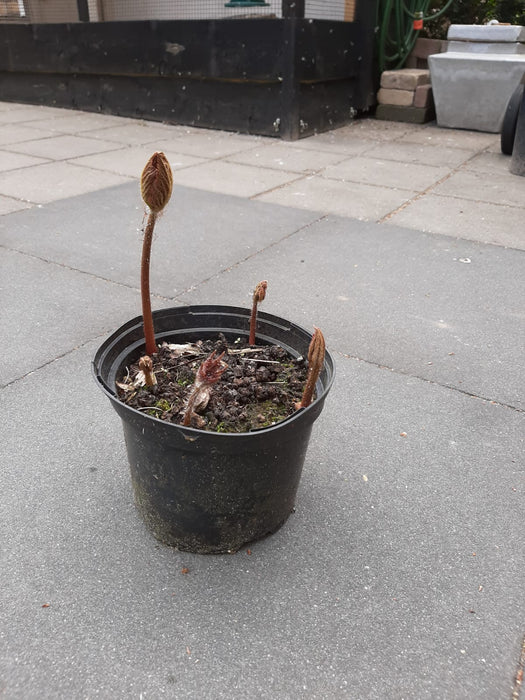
(259, 387)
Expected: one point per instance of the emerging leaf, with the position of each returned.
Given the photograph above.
(258, 295)
(146, 366)
(156, 182)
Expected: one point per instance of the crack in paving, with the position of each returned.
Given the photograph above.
(252, 255)
(451, 387)
(53, 360)
(82, 272)
(119, 284)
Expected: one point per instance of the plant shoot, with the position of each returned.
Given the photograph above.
(146, 366)
(156, 184)
(258, 296)
(316, 352)
(208, 374)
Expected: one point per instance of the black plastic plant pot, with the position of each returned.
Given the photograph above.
(202, 491)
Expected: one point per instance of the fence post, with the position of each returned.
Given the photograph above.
(83, 10)
(293, 8)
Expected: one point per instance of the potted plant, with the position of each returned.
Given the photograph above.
(203, 484)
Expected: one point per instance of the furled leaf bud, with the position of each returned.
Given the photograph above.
(258, 295)
(260, 291)
(210, 371)
(156, 182)
(208, 374)
(316, 353)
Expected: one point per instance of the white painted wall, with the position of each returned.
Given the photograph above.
(112, 10)
(43, 11)
(325, 9)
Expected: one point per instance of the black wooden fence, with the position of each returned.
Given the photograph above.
(286, 77)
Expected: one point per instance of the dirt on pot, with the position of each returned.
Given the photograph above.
(259, 387)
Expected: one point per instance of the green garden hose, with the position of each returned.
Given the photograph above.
(396, 28)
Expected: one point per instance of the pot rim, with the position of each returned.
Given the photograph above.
(311, 412)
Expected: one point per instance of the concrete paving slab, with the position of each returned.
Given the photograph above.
(284, 157)
(386, 173)
(211, 144)
(450, 138)
(131, 160)
(136, 133)
(8, 205)
(406, 584)
(447, 310)
(376, 130)
(499, 188)
(20, 113)
(52, 181)
(231, 178)
(423, 154)
(73, 122)
(13, 161)
(7, 106)
(333, 142)
(12, 133)
(490, 163)
(198, 235)
(340, 198)
(63, 147)
(463, 218)
(495, 147)
(47, 309)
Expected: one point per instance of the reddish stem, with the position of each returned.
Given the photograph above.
(147, 317)
(208, 374)
(253, 319)
(316, 353)
(258, 296)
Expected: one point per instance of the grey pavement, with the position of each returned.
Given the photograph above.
(401, 573)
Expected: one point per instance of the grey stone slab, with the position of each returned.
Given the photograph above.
(407, 584)
(15, 133)
(75, 122)
(483, 47)
(199, 234)
(131, 160)
(486, 33)
(370, 129)
(13, 161)
(283, 156)
(354, 199)
(9, 205)
(423, 153)
(342, 141)
(491, 163)
(64, 146)
(386, 173)
(451, 138)
(501, 187)
(27, 113)
(400, 298)
(135, 132)
(205, 143)
(51, 181)
(48, 309)
(232, 178)
(473, 220)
